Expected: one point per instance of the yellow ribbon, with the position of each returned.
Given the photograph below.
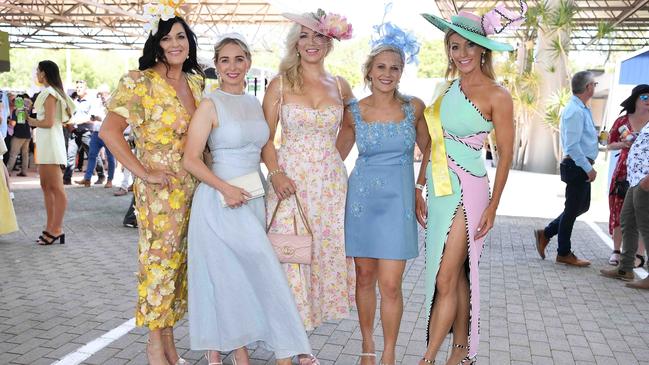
(439, 164)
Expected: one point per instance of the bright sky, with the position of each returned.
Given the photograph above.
(363, 14)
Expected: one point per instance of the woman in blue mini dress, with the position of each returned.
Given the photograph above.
(380, 223)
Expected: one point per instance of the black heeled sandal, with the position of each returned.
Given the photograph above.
(43, 239)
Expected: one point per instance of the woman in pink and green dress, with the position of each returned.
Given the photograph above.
(459, 211)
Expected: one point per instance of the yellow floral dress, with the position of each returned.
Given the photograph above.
(159, 123)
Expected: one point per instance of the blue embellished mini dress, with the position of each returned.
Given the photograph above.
(380, 210)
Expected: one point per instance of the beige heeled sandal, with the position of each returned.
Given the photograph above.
(207, 357)
(170, 333)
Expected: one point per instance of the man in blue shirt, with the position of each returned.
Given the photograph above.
(579, 143)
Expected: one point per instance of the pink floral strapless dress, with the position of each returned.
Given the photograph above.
(323, 290)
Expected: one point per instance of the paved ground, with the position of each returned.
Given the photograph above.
(56, 299)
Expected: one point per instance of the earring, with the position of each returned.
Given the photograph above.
(450, 63)
(482, 59)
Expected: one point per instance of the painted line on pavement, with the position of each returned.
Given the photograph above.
(97, 344)
(641, 272)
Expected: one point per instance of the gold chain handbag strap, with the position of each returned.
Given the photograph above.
(300, 211)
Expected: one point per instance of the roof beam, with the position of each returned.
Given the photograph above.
(64, 19)
(114, 9)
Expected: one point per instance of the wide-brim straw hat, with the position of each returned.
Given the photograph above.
(468, 26)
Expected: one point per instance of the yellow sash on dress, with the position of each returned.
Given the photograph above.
(439, 164)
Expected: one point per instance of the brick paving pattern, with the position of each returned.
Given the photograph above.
(56, 299)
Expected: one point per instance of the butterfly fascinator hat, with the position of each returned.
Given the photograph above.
(477, 28)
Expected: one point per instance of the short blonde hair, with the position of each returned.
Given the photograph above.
(369, 63)
(290, 66)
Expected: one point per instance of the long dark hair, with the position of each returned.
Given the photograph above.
(53, 77)
(153, 53)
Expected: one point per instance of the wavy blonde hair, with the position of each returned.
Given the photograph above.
(369, 63)
(452, 71)
(290, 66)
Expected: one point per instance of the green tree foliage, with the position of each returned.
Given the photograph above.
(432, 59)
(96, 67)
(347, 59)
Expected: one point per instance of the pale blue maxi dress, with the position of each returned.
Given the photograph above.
(238, 293)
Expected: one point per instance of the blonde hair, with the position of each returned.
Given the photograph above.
(290, 66)
(225, 41)
(369, 63)
(452, 71)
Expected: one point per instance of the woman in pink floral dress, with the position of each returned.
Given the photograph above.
(309, 104)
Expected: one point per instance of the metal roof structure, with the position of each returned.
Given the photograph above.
(118, 24)
(629, 19)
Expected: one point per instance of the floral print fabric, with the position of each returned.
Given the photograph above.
(323, 290)
(159, 123)
(615, 201)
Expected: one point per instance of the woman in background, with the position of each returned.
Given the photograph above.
(53, 107)
(620, 139)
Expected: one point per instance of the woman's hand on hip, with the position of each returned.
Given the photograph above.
(283, 186)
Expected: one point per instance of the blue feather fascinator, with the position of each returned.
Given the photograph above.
(390, 34)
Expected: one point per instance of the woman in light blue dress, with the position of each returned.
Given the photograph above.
(380, 224)
(238, 293)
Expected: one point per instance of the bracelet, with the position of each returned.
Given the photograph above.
(420, 187)
(275, 172)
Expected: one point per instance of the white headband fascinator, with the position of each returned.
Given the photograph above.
(232, 35)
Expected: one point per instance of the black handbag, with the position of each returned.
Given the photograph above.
(620, 188)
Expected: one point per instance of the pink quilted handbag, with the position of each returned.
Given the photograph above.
(292, 248)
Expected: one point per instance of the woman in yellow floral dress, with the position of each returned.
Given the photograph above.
(158, 102)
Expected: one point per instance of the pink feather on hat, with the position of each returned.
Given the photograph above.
(500, 18)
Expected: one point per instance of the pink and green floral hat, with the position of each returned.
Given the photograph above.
(332, 25)
(476, 28)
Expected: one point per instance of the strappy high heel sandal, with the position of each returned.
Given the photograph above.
(207, 357)
(47, 239)
(180, 360)
(310, 360)
(466, 360)
(149, 345)
(368, 354)
(427, 361)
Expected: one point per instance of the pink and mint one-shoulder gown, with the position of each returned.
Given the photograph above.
(465, 130)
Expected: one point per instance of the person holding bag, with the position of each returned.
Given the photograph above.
(620, 139)
(238, 294)
(53, 108)
(308, 103)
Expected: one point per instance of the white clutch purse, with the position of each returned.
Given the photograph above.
(250, 182)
